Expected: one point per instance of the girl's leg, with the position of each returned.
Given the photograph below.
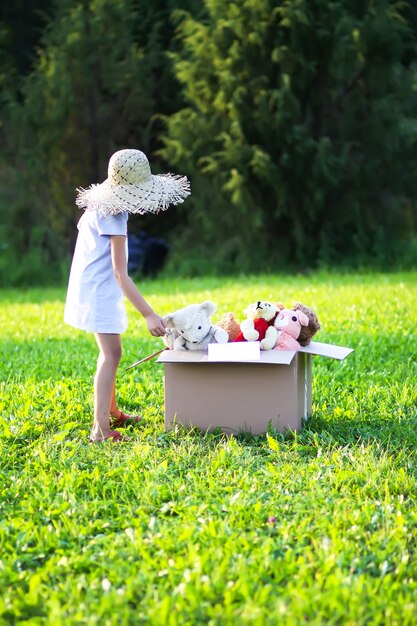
(104, 381)
(114, 409)
(119, 417)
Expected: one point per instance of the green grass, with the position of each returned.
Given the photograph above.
(316, 528)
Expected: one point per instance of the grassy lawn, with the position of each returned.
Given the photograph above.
(318, 527)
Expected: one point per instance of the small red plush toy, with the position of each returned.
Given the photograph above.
(289, 323)
(259, 325)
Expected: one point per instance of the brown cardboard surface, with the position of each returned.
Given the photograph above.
(236, 397)
(241, 396)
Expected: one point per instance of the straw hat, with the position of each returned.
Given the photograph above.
(130, 186)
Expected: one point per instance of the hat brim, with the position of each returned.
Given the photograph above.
(154, 196)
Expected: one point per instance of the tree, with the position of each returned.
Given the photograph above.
(100, 81)
(298, 132)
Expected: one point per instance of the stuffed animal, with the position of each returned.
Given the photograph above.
(190, 328)
(307, 332)
(289, 323)
(230, 325)
(259, 325)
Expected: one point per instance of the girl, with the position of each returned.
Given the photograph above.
(99, 279)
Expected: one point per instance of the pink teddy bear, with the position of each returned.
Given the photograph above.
(289, 324)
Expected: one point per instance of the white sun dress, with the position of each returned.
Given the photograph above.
(95, 301)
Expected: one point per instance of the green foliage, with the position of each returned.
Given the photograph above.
(37, 265)
(73, 104)
(21, 25)
(188, 529)
(294, 120)
(298, 133)
(100, 80)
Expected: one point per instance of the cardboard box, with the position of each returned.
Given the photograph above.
(247, 394)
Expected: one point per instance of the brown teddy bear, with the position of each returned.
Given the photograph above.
(307, 332)
(230, 325)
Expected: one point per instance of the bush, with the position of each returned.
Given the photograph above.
(298, 133)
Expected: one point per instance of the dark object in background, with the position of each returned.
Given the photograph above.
(147, 254)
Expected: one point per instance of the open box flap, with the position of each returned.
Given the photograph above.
(275, 357)
(181, 356)
(327, 349)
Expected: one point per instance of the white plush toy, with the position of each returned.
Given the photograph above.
(190, 328)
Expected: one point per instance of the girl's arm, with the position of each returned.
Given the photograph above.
(153, 321)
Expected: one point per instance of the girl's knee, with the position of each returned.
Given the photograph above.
(110, 349)
(112, 356)
(116, 354)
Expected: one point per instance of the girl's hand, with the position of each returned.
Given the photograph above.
(155, 324)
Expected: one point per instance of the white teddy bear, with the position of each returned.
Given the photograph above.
(190, 328)
(259, 324)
